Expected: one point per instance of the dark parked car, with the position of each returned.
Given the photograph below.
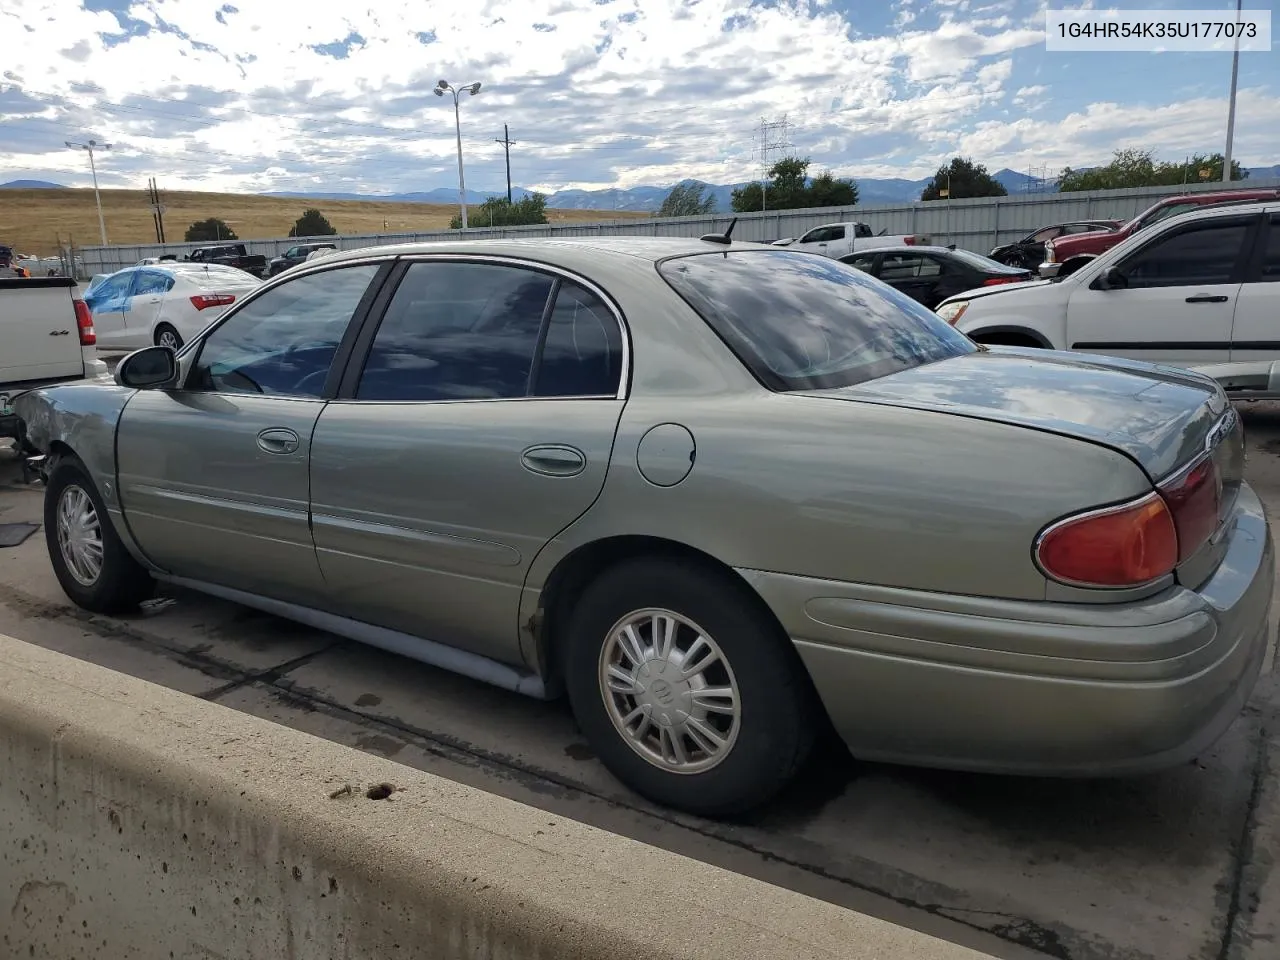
(1029, 251)
(295, 255)
(230, 255)
(931, 274)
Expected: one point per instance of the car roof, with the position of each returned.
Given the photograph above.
(1242, 193)
(651, 249)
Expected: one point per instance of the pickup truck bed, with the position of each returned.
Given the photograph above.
(44, 338)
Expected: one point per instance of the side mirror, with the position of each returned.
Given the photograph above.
(148, 368)
(1112, 279)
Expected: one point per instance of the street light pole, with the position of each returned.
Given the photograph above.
(91, 146)
(473, 89)
(1231, 109)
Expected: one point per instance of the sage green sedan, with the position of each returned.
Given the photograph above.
(720, 494)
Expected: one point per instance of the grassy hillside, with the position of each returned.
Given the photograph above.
(32, 221)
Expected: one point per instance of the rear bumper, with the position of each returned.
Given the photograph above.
(1037, 688)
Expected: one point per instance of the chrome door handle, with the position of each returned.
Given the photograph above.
(59, 333)
(554, 460)
(278, 440)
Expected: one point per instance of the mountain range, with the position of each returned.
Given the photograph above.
(649, 199)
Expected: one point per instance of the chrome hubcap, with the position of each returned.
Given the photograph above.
(80, 536)
(168, 339)
(670, 691)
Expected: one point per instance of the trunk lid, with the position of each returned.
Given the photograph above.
(1162, 417)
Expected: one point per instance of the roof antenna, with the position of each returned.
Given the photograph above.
(721, 237)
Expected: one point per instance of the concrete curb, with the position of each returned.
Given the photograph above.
(141, 822)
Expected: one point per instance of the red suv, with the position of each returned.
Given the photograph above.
(1063, 256)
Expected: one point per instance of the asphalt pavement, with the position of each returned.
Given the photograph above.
(1174, 865)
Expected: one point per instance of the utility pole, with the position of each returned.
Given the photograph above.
(91, 146)
(773, 139)
(157, 208)
(506, 142)
(1231, 110)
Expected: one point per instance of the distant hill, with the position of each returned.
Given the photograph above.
(440, 195)
(31, 185)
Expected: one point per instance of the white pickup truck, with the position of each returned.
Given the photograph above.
(842, 239)
(46, 336)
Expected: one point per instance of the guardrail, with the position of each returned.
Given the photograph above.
(976, 224)
(139, 822)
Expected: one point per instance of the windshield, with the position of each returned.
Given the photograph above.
(804, 322)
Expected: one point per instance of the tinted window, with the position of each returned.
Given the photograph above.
(457, 331)
(282, 343)
(978, 262)
(1164, 213)
(908, 266)
(862, 230)
(802, 322)
(582, 353)
(862, 261)
(1197, 254)
(1271, 256)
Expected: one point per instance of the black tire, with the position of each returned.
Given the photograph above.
(776, 722)
(122, 583)
(164, 328)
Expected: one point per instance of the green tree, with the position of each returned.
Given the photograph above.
(1139, 168)
(963, 178)
(687, 200)
(203, 231)
(1130, 167)
(500, 212)
(312, 223)
(789, 188)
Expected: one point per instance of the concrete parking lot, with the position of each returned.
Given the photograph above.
(1168, 866)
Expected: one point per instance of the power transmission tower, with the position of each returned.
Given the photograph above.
(773, 141)
(506, 142)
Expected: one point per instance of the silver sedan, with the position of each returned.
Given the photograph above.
(719, 493)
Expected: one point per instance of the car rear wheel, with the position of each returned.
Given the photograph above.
(686, 689)
(167, 336)
(92, 565)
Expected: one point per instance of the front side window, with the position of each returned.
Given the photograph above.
(1194, 255)
(862, 261)
(1164, 213)
(801, 322)
(457, 331)
(283, 342)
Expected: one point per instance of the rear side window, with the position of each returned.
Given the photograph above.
(1271, 255)
(150, 282)
(801, 322)
(457, 331)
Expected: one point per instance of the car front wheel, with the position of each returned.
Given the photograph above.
(92, 565)
(687, 690)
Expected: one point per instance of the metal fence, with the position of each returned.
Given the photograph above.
(976, 224)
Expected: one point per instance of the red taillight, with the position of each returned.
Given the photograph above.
(202, 301)
(1123, 546)
(909, 241)
(996, 281)
(84, 323)
(1194, 497)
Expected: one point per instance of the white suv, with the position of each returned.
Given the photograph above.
(1199, 290)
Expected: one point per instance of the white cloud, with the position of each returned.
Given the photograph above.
(209, 96)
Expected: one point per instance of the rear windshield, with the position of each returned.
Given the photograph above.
(801, 321)
(985, 264)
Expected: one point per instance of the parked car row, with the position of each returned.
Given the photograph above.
(605, 467)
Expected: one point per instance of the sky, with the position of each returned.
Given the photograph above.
(337, 96)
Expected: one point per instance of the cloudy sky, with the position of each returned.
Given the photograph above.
(336, 96)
